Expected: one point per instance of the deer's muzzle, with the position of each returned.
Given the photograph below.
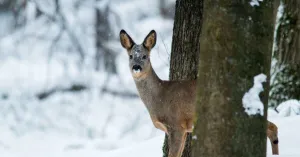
(136, 68)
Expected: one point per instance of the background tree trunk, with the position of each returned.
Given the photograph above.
(18, 9)
(185, 49)
(167, 9)
(13, 13)
(236, 45)
(286, 75)
(103, 35)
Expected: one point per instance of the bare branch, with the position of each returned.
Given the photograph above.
(120, 93)
(59, 18)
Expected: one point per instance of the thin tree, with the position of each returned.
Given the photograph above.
(14, 11)
(286, 57)
(236, 45)
(185, 49)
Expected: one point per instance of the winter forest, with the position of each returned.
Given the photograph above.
(67, 90)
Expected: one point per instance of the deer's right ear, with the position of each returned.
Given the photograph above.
(150, 40)
(126, 40)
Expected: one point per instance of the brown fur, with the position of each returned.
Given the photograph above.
(171, 104)
(272, 133)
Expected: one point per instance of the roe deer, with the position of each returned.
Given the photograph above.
(171, 104)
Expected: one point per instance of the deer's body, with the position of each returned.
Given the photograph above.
(171, 104)
(155, 95)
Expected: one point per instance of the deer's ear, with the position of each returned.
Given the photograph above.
(126, 40)
(150, 40)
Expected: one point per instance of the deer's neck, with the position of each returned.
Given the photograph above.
(149, 87)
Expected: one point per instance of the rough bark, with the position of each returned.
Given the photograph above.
(236, 45)
(286, 75)
(185, 49)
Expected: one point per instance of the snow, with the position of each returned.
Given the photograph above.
(288, 134)
(251, 100)
(255, 2)
(279, 15)
(87, 119)
(66, 147)
(289, 108)
(288, 142)
(194, 137)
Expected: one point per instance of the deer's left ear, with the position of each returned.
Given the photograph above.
(126, 40)
(150, 40)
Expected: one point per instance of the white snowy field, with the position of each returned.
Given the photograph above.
(288, 142)
(52, 146)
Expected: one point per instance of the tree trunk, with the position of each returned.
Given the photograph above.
(236, 45)
(185, 49)
(13, 13)
(19, 7)
(103, 30)
(285, 72)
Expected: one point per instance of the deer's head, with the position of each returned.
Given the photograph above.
(138, 54)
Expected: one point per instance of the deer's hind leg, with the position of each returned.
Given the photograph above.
(188, 125)
(272, 133)
(176, 142)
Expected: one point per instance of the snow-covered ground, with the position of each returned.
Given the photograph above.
(53, 146)
(288, 142)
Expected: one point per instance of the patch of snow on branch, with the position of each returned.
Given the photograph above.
(289, 108)
(277, 23)
(251, 100)
(255, 2)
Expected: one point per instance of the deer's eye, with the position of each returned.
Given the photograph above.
(130, 56)
(144, 57)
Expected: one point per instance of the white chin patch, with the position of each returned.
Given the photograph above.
(136, 71)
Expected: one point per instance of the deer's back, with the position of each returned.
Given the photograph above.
(175, 101)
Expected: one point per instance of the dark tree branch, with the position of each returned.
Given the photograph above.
(120, 93)
(80, 87)
(73, 88)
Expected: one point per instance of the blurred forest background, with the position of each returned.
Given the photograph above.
(64, 74)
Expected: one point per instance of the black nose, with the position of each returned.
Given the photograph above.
(136, 67)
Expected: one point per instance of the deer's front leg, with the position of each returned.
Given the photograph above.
(272, 133)
(158, 124)
(176, 140)
(161, 126)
